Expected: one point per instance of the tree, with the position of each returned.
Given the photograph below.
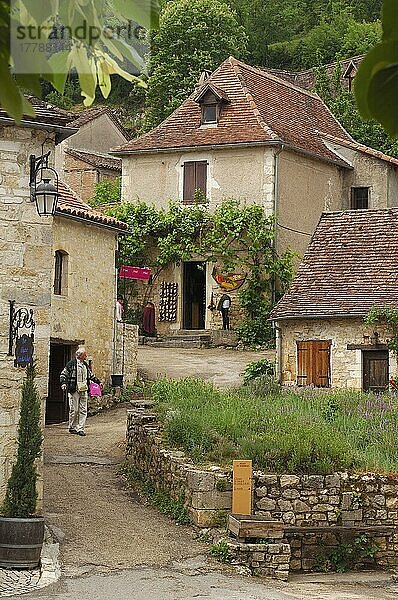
(92, 47)
(21, 494)
(376, 83)
(193, 36)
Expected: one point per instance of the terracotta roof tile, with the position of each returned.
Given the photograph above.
(99, 161)
(306, 79)
(262, 109)
(350, 265)
(70, 204)
(45, 113)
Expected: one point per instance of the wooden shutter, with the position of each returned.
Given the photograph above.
(201, 177)
(313, 363)
(195, 178)
(189, 182)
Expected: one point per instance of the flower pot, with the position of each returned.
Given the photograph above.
(117, 380)
(21, 541)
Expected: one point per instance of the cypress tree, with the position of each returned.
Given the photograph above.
(21, 494)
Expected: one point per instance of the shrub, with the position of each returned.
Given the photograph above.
(257, 368)
(21, 494)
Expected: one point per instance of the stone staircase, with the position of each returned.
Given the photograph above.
(192, 338)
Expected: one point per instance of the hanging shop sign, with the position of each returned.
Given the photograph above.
(138, 273)
(229, 281)
(21, 335)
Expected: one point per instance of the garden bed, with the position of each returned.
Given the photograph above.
(282, 431)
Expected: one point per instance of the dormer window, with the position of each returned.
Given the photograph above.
(211, 99)
(209, 113)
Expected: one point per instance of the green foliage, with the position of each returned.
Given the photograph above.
(302, 430)
(220, 551)
(235, 235)
(348, 555)
(107, 191)
(193, 35)
(159, 497)
(258, 368)
(385, 316)
(376, 84)
(342, 104)
(21, 494)
(95, 58)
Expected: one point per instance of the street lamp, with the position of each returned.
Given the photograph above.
(42, 191)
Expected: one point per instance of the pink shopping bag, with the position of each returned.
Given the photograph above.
(95, 389)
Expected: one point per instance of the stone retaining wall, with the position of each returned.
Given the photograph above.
(349, 501)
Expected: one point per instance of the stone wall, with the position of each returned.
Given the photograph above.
(85, 310)
(346, 365)
(345, 504)
(82, 177)
(26, 264)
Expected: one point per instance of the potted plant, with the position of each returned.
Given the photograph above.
(21, 530)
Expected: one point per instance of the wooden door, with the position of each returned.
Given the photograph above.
(375, 370)
(194, 295)
(313, 363)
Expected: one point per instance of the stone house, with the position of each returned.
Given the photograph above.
(82, 160)
(350, 266)
(247, 134)
(60, 271)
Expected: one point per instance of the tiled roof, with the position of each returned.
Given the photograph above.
(70, 204)
(360, 148)
(263, 109)
(306, 79)
(79, 119)
(99, 161)
(46, 113)
(350, 265)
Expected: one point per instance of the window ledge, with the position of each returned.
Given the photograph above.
(208, 126)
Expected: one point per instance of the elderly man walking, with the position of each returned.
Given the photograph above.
(75, 378)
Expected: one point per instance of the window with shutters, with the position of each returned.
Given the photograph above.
(195, 181)
(313, 363)
(61, 273)
(359, 197)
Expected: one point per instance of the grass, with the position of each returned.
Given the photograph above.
(160, 498)
(302, 430)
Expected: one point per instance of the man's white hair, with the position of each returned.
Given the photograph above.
(81, 350)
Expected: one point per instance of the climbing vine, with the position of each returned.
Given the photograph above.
(235, 235)
(385, 316)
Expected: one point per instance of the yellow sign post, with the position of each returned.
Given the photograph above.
(242, 487)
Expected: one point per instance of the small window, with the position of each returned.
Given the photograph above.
(61, 272)
(195, 181)
(209, 113)
(359, 197)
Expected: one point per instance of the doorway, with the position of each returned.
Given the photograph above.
(375, 370)
(194, 295)
(57, 404)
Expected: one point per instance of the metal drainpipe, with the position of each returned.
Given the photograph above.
(275, 208)
(279, 350)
